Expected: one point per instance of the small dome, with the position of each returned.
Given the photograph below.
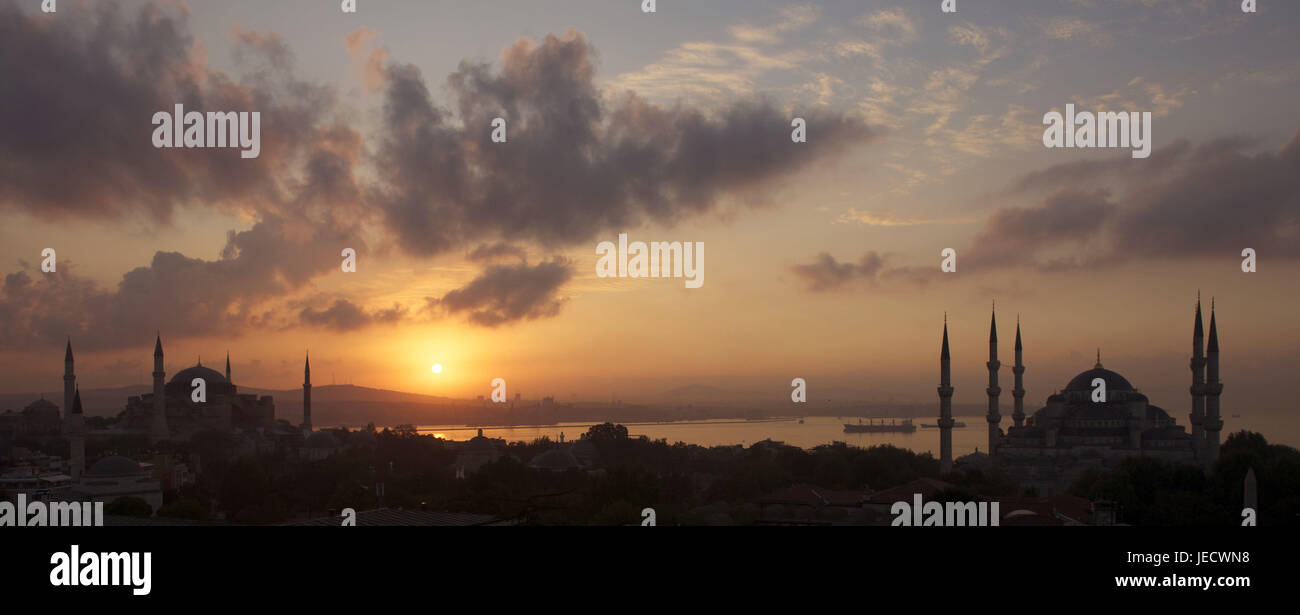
(557, 459)
(480, 443)
(40, 405)
(115, 465)
(321, 439)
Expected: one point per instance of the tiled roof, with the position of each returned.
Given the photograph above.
(927, 487)
(401, 517)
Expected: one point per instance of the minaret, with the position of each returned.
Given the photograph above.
(227, 366)
(994, 390)
(1249, 498)
(158, 431)
(69, 384)
(945, 405)
(77, 438)
(1213, 388)
(1197, 417)
(306, 397)
(1019, 392)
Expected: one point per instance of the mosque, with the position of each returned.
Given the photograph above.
(1080, 428)
(173, 412)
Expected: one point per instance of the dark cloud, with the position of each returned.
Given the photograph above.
(509, 293)
(79, 95)
(488, 252)
(575, 164)
(1203, 202)
(343, 315)
(826, 273)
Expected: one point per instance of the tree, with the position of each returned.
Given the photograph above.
(129, 506)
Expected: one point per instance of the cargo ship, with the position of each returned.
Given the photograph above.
(957, 424)
(871, 426)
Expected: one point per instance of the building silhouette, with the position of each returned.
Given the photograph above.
(1081, 426)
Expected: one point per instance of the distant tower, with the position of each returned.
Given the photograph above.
(945, 404)
(306, 396)
(1250, 500)
(1197, 417)
(994, 390)
(77, 438)
(227, 366)
(1019, 392)
(1213, 388)
(158, 432)
(69, 384)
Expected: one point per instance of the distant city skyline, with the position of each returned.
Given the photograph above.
(822, 257)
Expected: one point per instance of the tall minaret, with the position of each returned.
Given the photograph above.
(306, 396)
(158, 431)
(69, 384)
(1249, 499)
(1197, 417)
(77, 438)
(945, 405)
(1019, 370)
(227, 366)
(994, 390)
(1213, 388)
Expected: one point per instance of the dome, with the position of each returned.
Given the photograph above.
(40, 405)
(480, 443)
(187, 375)
(321, 439)
(557, 459)
(115, 465)
(1114, 381)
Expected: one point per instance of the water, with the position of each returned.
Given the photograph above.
(818, 430)
(814, 431)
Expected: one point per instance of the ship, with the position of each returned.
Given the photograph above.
(956, 424)
(882, 427)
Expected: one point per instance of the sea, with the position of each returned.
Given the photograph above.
(813, 431)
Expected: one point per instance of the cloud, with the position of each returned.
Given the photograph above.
(507, 293)
(1185, 202)
(113, 71)
(825, 273)
(488, 252)
(343, 315)
(575, 164)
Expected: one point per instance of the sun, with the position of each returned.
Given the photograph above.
(437, 368)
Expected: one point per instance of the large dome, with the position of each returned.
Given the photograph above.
(186, 376)
(115, 465)
(1114, 381)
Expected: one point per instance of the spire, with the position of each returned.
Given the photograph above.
(1098, 365)
(67, 355)
(1018, 346)
(1198, 332)
(306, 368)
(157, 346)
(1213, 345)
(943, 354)
(227, 366)
(993, 325)
(76, 402)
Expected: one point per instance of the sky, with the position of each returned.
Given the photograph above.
(924, 132)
